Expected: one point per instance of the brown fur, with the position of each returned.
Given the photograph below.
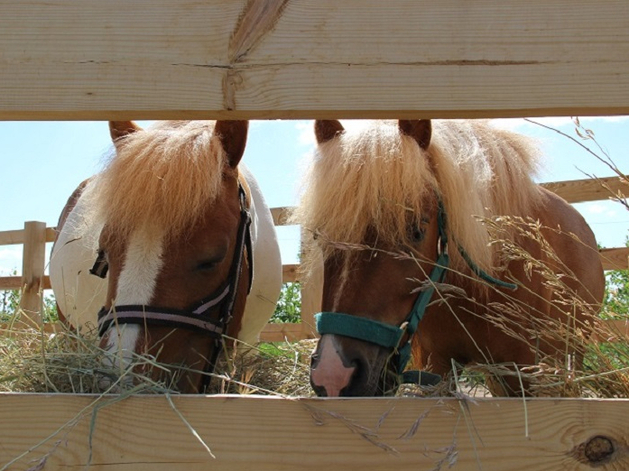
(367, 193)
(176, 182)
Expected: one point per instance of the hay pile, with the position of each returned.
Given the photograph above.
(33, 360)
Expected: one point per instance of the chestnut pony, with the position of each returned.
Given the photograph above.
(400, 214)
(169, 248)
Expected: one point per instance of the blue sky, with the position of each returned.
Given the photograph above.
(42, 163)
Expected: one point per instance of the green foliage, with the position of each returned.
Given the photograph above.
(616, 301)
(288, 307)
(10, 306)
(9, 303)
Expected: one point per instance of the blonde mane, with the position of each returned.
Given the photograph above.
(164, 176)
(377, 180)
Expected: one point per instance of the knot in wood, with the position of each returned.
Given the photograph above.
(598, 449)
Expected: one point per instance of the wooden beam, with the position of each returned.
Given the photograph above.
(290, 273)
(615, 259)
(15, 282)
(277, 59)
(280, 215)
(590, 189)
(275, 434)
(282, 332)
(17, 236)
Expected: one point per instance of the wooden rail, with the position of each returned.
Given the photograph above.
(283, 434)
(298, 59)
(589, 189)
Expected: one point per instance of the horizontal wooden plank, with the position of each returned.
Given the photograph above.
(273, 58)
(15, 237)
(280, 215)
(615, 258)
(283, 332)
(290, 273)
(16, 282)
(590, 189)
(269, 433)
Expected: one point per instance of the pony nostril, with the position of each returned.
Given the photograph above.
(320, 391)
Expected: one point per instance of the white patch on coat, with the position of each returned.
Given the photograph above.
(136, 286)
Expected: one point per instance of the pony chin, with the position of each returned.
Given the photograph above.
(342, 366)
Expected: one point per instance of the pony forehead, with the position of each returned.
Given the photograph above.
(166, 175)
(371, 176)
(366, 179)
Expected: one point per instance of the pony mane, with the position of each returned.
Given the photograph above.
(163, 176)
(373, 181)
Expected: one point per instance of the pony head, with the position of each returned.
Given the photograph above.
(376, 202)
(171, 207)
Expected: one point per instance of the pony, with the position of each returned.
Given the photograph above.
(168, 250)
(406, 219)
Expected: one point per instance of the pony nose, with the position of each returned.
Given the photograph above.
(329, 375)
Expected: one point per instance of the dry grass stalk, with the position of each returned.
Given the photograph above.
(32, 360)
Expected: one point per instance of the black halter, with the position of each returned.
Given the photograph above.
(201, 316)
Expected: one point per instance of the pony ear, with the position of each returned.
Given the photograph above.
(233, 137)
(327, 129)
(418, 129)
(119, 129)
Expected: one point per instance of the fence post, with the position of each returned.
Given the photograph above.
(33, 265)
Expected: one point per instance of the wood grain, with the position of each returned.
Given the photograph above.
(282, 332)
(615, 259)
(290, 273)
(178, 59)
(280, 215)
(33, 266)
(16, 282)
(16, 237)
(266, 433)
(590, 189)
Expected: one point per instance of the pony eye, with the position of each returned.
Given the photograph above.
(209, 263)
(206, 265)
(417, 234)
(417, 231)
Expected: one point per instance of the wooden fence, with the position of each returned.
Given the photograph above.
(35, 235)
(266, 59)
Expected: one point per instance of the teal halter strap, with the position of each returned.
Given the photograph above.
(390, 336)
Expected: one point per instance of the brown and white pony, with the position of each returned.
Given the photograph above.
(173, 243)
(397, 207)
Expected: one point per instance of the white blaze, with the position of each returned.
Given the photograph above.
(136, 285)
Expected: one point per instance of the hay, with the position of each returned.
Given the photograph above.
(34, 360)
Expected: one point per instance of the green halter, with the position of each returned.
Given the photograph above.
(390, 336)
